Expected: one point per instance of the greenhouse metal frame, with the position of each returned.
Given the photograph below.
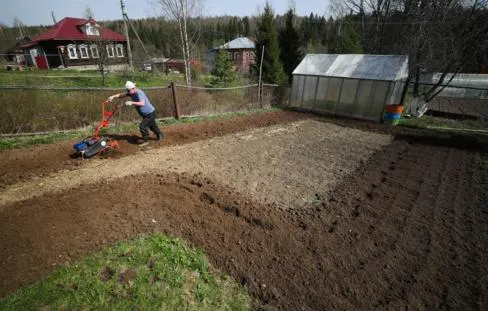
(351, 85)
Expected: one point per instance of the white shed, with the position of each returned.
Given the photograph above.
(352, 85)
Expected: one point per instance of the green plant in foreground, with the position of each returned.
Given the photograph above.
(148, 273)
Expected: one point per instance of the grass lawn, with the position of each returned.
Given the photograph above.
(149, 273)
(71, 78)
(80, 79)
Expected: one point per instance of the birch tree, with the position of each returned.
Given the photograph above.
(442, 36)
(182, 12)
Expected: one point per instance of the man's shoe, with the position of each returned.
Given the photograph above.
(159, 138)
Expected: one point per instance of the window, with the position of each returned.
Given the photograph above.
(110, 51)
(120, 50)
(91, 30)
(94, 51)
(72, 51)
(251, 56)
(83, 51)
(236, 55)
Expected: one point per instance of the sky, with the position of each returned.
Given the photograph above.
(38, 12)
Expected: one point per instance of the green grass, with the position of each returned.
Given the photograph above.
(28, 141)
(85, 79)
(435, 122)
(80, 79)
(164, 274)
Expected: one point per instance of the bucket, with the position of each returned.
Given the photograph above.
(392, 114)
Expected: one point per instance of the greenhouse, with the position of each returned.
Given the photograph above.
(462, 85)
(350, 85)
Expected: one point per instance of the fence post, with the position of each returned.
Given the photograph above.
(175, 101)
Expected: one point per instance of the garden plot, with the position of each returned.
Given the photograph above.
(287, 164)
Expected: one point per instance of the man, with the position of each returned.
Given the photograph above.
(144, 109)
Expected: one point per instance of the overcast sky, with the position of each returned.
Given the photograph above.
(36, 12)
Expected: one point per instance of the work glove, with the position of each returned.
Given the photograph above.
(129, 103)
(111, 98)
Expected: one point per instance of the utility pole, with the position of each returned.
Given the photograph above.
(54, 17)
(124, 16)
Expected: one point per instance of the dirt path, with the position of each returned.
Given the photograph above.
(287, 164)
(18, 165)
(409, 229)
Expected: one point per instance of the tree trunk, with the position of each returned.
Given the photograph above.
(186, 45)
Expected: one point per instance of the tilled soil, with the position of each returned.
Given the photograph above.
(18, 165)
(285, 164)
(408, 229)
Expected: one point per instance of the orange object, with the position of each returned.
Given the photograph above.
(394, 108)
(113, 144)
(106, 117)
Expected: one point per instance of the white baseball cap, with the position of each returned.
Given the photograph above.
(129, 85)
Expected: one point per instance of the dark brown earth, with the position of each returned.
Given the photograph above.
(21, 164)
(409, 229)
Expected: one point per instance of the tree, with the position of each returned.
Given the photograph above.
(267, 38)
(223, 70)
(88, 13)
(442, 37)
(439, 36)
(97, 47)
(377, 11)
(290, 45)
(182, 11)
(246, 29)
(347, 40)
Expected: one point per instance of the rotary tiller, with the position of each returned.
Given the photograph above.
(97, 144)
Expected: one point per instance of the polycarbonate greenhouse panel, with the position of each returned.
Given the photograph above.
(321, 96)
(355, 66)
(463, 85)
(395, 94)
(365, 97)
(381, 90)
(333, 93)
(309, 91)
(300, 87)
(294, 91)
(347, 101)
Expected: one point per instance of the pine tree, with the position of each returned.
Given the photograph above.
(246, 30)
(267, 37)
(223, 69)
(348, 39)
(290, 45)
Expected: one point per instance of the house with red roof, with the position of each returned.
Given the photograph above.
(77, 43)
